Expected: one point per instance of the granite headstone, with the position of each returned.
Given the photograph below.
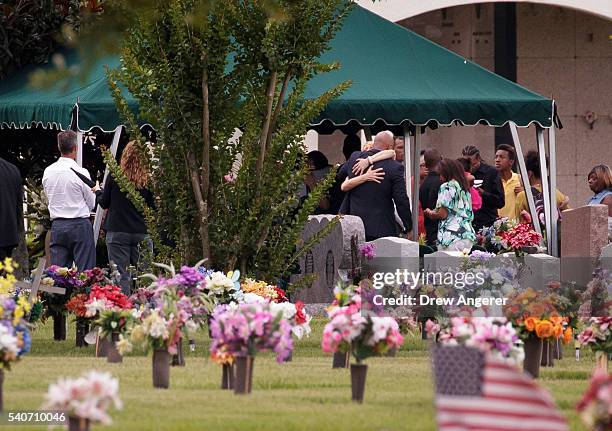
(584, 233)
(327, 257)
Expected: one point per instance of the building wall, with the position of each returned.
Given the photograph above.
(562, 54)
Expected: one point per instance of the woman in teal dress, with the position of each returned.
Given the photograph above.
(453, 209)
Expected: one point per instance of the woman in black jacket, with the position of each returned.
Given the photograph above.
(126, 231)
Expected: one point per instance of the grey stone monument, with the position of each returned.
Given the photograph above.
(391, 254)
(584, 233)
(540, 269)
(328, 258)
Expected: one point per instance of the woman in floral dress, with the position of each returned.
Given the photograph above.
(453, 209)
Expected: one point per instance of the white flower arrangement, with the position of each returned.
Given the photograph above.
(218, 283)
(9, 344)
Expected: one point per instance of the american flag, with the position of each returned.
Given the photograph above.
(478, 394)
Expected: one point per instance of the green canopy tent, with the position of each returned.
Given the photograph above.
(401, 81)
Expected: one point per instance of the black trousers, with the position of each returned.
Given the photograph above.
(72, 241)
(6, 251)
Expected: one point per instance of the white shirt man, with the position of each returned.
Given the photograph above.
(70, 203)
(68, 196)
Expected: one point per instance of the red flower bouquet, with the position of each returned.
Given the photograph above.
(300, 315)
(76, 305)
(107, 297)
(521, 235)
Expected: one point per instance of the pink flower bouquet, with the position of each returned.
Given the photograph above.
(598, 334)
(88, 397)
(595, 407)
(494, 336)
(364, 336)
(246, 329)
(295, 314)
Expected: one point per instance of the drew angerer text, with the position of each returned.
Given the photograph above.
(404, 300)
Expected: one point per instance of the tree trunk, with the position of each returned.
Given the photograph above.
(263, 138)
(279, 105)
(202, 207)
(205, 168)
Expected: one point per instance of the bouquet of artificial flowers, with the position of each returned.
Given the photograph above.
(222, 288)
(106, 297)
(246, 329)
(89, 397)
(595, 407)
(494, 336)
(263, 289)
(533, 314)
(598, 334)
(15, 339)
(364, 336)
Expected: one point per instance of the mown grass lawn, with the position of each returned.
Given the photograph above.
(305, 394)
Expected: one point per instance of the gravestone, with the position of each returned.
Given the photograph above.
(584, 233)
(331, 255)
(539, 270)
(391, 254)
(442, 261)
(606, 258)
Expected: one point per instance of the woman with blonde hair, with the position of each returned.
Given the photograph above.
(126, 231)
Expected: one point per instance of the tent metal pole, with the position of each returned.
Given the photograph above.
(368, 133)
(545, 188)
(98, 218)
(407, 160)
(415, 184)
(552, 149)
(79, 158)
(525, 177)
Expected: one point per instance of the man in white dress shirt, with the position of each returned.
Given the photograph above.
(70, 204)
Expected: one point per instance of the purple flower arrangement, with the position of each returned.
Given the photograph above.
(250, 328)
(368, 250)
(70, 278)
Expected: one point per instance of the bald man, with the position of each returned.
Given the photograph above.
(373, 201)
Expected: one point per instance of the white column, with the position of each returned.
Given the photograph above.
(552, 149)
(415, 184)
(407, 160)
(545, 188)
(525, 178)
(79, 158)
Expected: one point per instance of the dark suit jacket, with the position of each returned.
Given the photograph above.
(373, 202)
(493, 196)
(11, 203)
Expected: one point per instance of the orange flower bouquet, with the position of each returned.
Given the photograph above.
(533, 314)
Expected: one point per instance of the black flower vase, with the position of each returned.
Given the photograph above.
(59, 326)
(358, 380)
(161, 368)
(178, 360)
(243, 375)
(547, 354)
(76, 423)
(533, 356)
(82, 328)
(227, 376)
(340, 360)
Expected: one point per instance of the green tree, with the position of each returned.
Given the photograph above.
(30, 30)
(201, 71)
